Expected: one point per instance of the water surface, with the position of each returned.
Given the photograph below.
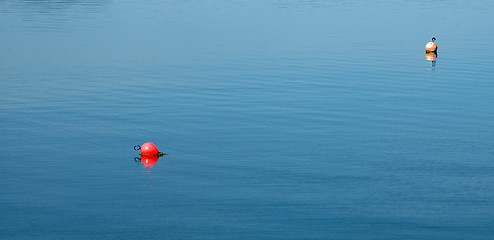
(281, 120)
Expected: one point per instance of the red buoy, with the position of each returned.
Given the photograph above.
(149, 148)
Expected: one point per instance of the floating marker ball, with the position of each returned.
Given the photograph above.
(149, 148)
(149, 160)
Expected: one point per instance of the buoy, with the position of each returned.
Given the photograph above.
(149, 149)
(431, 46)
(149, 160)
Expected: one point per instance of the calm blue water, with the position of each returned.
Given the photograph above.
(281, 119)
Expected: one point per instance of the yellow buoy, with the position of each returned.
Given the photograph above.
(431, 46)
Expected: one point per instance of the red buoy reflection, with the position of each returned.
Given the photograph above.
(149, 161)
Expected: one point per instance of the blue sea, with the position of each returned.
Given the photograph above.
(281, 119)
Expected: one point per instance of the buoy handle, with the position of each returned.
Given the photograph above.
(137, 147)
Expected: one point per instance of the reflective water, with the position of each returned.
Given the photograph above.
(281, 119)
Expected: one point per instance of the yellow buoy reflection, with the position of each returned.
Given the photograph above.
(430, 56)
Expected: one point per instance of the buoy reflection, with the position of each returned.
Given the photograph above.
(149, 161)
(431, 56)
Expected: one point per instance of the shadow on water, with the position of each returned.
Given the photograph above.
(431, 56)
